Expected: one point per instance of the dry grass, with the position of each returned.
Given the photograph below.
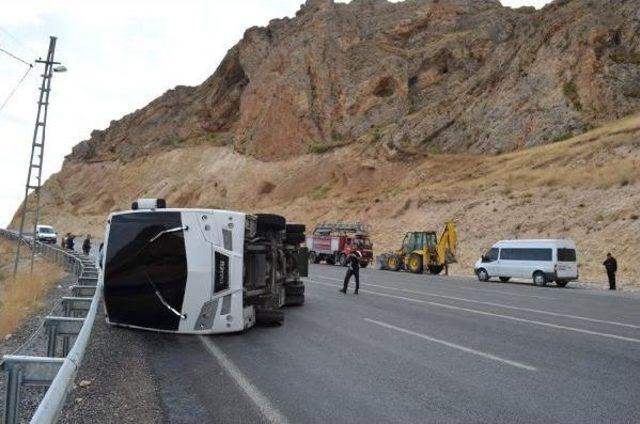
(19, 298)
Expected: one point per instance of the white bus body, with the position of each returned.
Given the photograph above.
(542, 261)
(198, 271)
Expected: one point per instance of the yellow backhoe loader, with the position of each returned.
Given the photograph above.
(421, 250)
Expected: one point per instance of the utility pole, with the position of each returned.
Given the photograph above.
(34, 175)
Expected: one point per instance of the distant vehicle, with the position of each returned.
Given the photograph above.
(543, 261)
(422, 250)
(200, 271)
(334, 242)
(46, 234)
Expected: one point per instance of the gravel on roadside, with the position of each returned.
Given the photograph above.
(115, 383)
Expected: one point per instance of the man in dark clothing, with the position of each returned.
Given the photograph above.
(611, 265)
(70, 241)
(353, 268)
(86, 245)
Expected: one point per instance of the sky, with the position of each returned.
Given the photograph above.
(120, 55)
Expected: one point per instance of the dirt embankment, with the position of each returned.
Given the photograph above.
(22, 297)
(586, 188)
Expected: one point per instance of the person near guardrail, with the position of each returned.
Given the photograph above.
(63, 242)
(70, 241)
(86, 245)
(611, 265)
(353, 268)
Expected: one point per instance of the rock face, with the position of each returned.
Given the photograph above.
(413, 76)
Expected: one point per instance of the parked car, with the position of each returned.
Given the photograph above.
(46, 234)
(543, 261)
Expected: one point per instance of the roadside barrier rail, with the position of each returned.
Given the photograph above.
(73, 328)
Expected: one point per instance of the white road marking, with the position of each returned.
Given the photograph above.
(502, 305)
(454, 345)
(508, 317)
(470, 288)
(270, 412)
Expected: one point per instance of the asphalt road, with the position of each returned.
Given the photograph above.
(410, 349)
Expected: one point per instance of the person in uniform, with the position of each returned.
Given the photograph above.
(353, 269)
(611, 265)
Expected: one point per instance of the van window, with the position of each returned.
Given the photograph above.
(566, 255)
(491, 255)
(526, 254)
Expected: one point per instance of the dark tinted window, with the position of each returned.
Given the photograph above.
(520, 254)
(566, 255)
(491, 255)
(131, 261)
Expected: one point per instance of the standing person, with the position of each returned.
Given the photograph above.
(611, 265)
(353, 268)
(70, 241)
(86, 245)
(63, 242)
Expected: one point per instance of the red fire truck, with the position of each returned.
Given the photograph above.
(333, 242)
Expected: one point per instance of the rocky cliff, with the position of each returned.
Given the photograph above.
(413, 76)
(403, 115)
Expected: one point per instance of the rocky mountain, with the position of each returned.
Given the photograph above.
(412, 76)
(403, 115)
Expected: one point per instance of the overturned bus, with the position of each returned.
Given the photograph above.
(200, 271)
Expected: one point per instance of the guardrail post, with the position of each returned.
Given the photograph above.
(61, 326)
(25, 371)
(12, 399)
(52, 336)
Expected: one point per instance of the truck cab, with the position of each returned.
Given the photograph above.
(199, 271)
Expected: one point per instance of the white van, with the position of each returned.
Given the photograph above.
(46, 234)
(541, 260)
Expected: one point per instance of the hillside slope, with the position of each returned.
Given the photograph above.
(586, 188)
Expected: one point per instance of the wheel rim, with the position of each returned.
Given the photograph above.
(392, 263)
(483, 275)
(538, 279)
(413, 263)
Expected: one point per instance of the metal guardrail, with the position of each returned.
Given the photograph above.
(57, 373)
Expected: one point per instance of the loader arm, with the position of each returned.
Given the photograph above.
(447, 245)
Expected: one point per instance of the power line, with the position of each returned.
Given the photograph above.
(15, 88)
(15, 57)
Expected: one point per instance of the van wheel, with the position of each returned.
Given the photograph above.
(539, 279)
(505, 279)
(342, 259)
(562, 283)
(313, 258)
(483, 275)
